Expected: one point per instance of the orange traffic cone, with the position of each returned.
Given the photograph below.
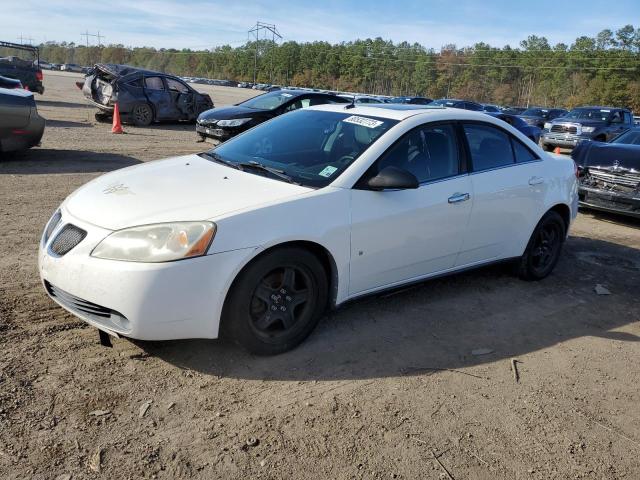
(117, 126)
(556, 150)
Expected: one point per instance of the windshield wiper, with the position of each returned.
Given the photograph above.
(281, 174)
(217, 158)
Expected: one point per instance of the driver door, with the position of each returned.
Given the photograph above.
(403, 235)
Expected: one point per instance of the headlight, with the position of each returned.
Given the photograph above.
(547, 125)
(236, 122)
(588, 129)
(162, 242)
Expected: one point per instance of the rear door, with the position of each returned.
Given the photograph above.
(509, 186)
(183, 98)
(159, 97)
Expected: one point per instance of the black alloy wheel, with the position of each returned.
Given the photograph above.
(276, 301)
(544, 247)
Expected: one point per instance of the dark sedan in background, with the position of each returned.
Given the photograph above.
(220, 124)
(610, 174)
(412, 100)
(518, 123)
(538, 116)
(20, 125)
(143, 96)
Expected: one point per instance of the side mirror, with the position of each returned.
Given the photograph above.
(393, 178)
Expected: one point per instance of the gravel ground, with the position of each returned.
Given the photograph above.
(411, 384)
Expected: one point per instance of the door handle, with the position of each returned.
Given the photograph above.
(458, 197)
(536, 180)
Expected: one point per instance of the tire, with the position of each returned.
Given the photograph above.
(544, 247)
(548, 148)
(276, 301)
(141, 115)
(102, 117)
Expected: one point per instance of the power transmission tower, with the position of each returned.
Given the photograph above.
(255, 31)
(23, 38)
(87, 35)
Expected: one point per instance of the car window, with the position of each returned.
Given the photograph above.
(153, 83)
(177, 86)
(299, 103)
(429, 152)
(521, 152)
(473, 106)
(490, 147)
(616, 117)
(630, 137)
(627, 118)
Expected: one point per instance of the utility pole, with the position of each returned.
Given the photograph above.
(87, 35)
(255, 30)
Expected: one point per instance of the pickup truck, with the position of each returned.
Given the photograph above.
(585, 123)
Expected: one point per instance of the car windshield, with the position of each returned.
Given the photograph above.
(445, 102)
(536, 112)
(268, 101)
(589, 114)
(630, 137)
(312, 147)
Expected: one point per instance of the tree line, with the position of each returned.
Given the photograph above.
(600, 70)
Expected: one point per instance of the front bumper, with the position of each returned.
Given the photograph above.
(145, 301)
(216, 133)
(565, 140)
(608, 201)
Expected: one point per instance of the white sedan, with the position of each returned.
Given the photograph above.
(261, 235)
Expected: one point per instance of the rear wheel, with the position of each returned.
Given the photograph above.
(547, 148)
(276, 302)
(141, 115)
(543, 249)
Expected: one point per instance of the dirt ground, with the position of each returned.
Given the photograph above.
(392, 386)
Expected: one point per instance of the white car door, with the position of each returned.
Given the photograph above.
(509, 186)
(400, 235)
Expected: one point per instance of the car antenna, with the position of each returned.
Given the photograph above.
(352, 104)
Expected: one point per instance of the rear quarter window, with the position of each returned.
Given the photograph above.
(489, 146)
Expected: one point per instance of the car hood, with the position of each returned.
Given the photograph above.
(599, 154)
(187, 188)
(228, 113)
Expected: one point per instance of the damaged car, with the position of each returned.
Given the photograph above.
(610, 174)
(143, 96)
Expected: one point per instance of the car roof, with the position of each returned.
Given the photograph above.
(403, 111)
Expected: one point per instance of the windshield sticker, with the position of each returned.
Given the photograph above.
(286, 95)
(328, 171)
(363, 121)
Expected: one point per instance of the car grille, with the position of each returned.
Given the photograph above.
(630, 180)
(67, 239)
(564, 129)
(99, 314)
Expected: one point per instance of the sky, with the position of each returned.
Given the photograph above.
(200, 24)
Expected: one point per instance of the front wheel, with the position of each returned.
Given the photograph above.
(548, 148)
(543, 249)
(276, 302)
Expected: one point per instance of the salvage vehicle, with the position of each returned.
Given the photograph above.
(220, 124)
(585, 123)
(26, 70)
(143, 96)
(258, 237)
(538, 116)
(610, 174)
(71, 67)
(20, 125)
(6, 82)
(455, 103)
(530, 131)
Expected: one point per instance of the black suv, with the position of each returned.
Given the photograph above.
(586, 123)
